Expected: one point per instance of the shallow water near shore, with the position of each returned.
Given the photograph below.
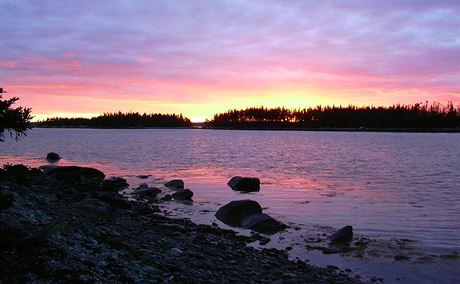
(387, 185)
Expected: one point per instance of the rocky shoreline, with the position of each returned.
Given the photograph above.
(68, 224)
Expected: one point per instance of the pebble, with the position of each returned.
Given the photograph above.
(175, 252)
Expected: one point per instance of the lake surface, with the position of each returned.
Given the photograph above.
(391, 185)
(403, 185)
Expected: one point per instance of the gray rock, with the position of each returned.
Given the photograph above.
(247, 184)
(342, 236)
(263, 223)
(235, 212)
(53, 157)
(185, 194)
(114, 184)
(94, 206)
(175, 184)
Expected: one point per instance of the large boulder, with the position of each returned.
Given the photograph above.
(247, 184)
(175, 184)
(114, 184)
(74, 173)
(262, 223)
(235, 212)
(185, 194)
(343, 236)
(53, 157)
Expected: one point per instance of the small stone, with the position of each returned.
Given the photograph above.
(176, 252)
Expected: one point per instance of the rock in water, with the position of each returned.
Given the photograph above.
(53, 157)
(342, 236)
(185, 194)
(114, 184)
(234, 212)
(247, 184)
(74, 173)
(263, 223)
(175, 184)
(147, 191)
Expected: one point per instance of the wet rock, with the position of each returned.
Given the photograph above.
(185, 194)
(147, 191)
(235, 212)
(167, 197)
(53, 157)
(95, 206)
(342, 236)
(175, 184)
(74, 173)
(247, 184)
(262, 223)
(114, 184)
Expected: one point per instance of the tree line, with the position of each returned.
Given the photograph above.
(120, 120)
(416, 116)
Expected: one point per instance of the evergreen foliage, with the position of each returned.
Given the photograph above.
(417, 116)
(15, 121)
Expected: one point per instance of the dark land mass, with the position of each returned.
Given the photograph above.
(65, 224)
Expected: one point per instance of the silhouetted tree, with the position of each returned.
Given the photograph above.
(422, 116)
(120, 120)
(15, 121)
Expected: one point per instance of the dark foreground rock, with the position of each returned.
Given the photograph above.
(114, 184)
(175, 184)
(48, 236)
(343, 236)
(53, 157)
(247, 184)
(74, 174)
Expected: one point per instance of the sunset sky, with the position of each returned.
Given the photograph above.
(82, 58)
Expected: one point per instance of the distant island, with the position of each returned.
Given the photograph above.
(396, 117)
(120, 120)
(416, 117)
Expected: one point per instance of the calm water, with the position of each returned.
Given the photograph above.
(394, 185)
